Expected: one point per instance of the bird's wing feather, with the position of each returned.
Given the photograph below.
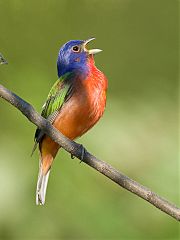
(58, 95)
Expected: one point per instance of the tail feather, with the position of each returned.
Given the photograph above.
(41, 186)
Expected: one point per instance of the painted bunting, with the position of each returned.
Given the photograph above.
(75, 103)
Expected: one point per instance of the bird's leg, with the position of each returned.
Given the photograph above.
(83, 151)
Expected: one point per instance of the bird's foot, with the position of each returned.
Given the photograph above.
(83, 151)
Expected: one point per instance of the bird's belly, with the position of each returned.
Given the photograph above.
(78, 115)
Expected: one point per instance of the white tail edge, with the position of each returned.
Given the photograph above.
(41, 186)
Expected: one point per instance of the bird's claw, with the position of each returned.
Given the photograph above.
(83, 151)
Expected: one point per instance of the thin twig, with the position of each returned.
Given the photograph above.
(101, 166)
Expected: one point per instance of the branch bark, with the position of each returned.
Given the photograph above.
(76, 149)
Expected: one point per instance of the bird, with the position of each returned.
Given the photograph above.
(74, 104)
(2, 59)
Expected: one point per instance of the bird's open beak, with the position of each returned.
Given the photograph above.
(91, 51)
(3, 60)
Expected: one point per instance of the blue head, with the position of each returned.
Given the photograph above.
(73, 56)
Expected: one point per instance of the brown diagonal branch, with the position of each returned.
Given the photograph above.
(88, 158)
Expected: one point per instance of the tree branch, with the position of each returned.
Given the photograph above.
(76, 149)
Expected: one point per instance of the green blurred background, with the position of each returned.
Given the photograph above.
(138, 133)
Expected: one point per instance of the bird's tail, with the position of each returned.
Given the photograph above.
(41, 186)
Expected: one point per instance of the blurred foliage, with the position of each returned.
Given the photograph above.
(138, 133)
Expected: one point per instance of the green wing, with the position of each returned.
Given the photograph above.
(55, 100)
(59, 93)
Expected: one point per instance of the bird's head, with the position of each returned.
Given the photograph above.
(74, 56)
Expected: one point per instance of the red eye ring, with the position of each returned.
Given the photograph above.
(76, 49)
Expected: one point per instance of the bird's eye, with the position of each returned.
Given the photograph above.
(76, 49)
